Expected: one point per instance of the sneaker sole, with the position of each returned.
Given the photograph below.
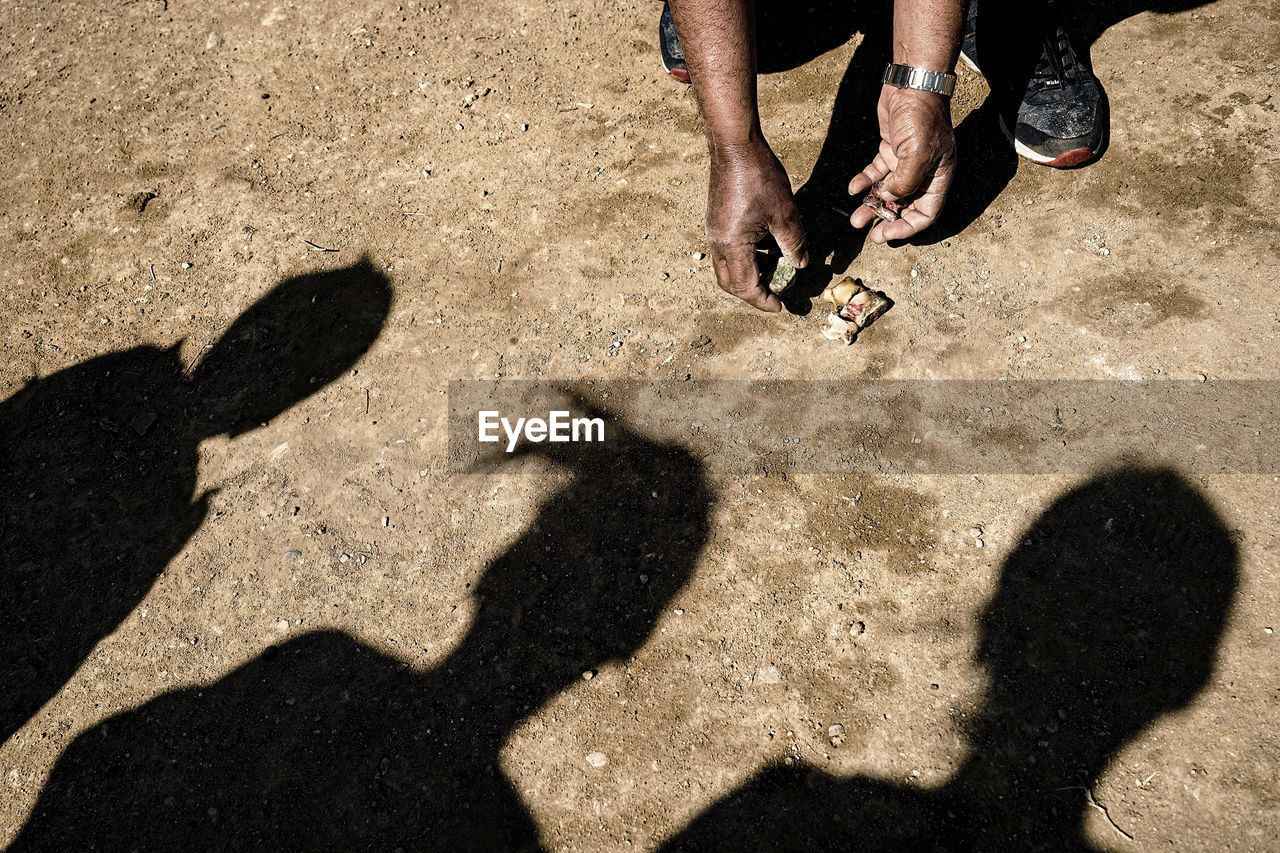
(681, 74)
(678, 73)
(1074, 157)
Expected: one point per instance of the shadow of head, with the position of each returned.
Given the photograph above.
(1110, 610)
(606, 554)
(290, 344)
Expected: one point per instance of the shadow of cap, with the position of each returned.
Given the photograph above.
(288, 345)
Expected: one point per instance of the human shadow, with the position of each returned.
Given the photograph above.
(1107, 616)
(788, 38)
(98, 466)
(323, 743)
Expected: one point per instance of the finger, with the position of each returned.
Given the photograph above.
(738, 274)
(876, 170)
(862, 216)
(861, 182)
(906, 177)
(924, 211)
(790, 237)
(912, 222)
(720, 265)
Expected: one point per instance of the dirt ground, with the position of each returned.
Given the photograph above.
(769, 650)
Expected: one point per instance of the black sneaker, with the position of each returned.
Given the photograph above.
(672, 55)
(1052, 101)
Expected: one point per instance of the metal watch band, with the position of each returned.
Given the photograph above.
(906, 77)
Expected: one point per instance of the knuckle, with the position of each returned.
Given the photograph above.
(909, 148)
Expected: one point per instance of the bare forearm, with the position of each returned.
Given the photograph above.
(719, 42)
(926, 33)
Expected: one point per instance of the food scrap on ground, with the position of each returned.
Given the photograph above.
(856, 307)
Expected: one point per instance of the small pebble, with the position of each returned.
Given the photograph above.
(458, 126)
(588, 675)
(185, 265)
(783, 275)
(386, 519)
(1202, 377)
(344, 558)
(978, 542)
(975, 532)
(597, 759)
(857, 629)
(292, 554)
(142, 422)
(697, 256)
(282, 625)
(835, 730)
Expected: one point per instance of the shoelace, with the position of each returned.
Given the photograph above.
(1058, 63)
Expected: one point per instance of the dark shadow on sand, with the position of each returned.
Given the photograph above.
(98, 466)
(1108, 616)
(323, 743)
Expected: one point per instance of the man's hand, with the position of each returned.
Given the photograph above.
(916, 161)
(749, 195)
(749, 198)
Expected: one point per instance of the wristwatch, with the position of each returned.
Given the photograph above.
(906, 77)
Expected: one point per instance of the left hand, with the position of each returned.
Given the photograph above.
(916, 161)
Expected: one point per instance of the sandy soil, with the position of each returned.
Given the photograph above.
(271, 612)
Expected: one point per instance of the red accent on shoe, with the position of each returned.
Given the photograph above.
(1074, 157)
(680, 74)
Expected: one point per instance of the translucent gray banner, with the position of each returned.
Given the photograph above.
(877, 426)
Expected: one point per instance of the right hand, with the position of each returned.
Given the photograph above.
(917, 160)
(749, 198)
